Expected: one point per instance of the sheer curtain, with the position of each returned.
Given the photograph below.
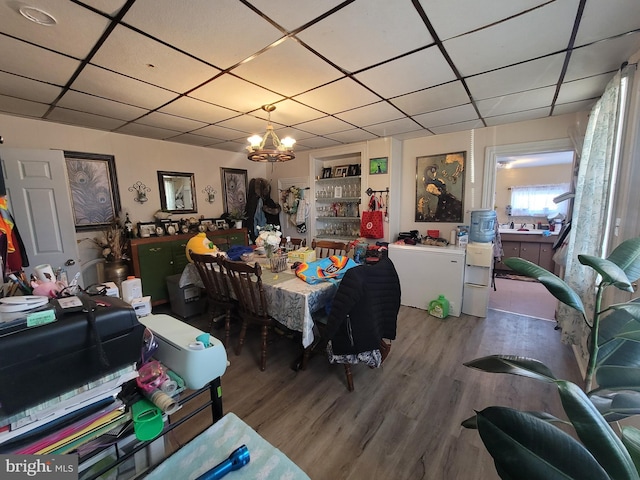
(590, 211)
(537, 200)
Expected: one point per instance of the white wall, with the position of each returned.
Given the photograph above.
(515, 177)
(138, 159)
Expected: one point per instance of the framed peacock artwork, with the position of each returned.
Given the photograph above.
(95, 199)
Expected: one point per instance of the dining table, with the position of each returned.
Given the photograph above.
(291, 301)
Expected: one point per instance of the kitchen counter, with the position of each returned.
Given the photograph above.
(515, 231)
(531, 245)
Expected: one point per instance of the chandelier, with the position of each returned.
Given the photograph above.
(280, 151)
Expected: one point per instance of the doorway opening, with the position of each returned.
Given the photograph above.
(535, 168)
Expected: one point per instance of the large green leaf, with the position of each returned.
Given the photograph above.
(627, 257)
(631, 440)
(523, 366)
(557, 287)
(616, 339)
(595, 433)
(523, 446)
(472, 422)
(611, 273)
(618, 377)
(615, 406)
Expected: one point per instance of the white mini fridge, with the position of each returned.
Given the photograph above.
(478, 272)
(426, 272)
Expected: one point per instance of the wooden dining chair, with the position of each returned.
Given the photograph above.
(246, 281)
(327, 248)
(213, 276)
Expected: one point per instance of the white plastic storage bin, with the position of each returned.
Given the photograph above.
(480, 254)
(475, 300)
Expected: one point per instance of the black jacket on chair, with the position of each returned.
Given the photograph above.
(365, 308)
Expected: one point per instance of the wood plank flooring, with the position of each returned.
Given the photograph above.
(403, 419)
(526, 298)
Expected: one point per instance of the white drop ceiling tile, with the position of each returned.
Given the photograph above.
(494, 47)
(223, 33)
(191, 139)
(582, 106)
(351, 136)
(289, 112)
(235, 93)
(100, 106)
(171, 122)
(290, 16)
(247, 124)
(606, 19)
(324, 126)
(288, 69)
(458, 114)
(229, 147)
(367, 32)
(76, 32)
(515, 102)
(147, 131)
(431, 99)
(602, 57)
(345, 94)
(457, 127)
(110, 7)
(585, 88)
(27, 60)
(395, 127)
(319, 142)
(221, 133)
(518, 117)
(422, 69)
(27, 89)
(89, 120)
(526, 76)
(130, 53)
(370, 114)
(296, 134)
(454, 17)
(103, 83)
(188, 107)
(25, 108)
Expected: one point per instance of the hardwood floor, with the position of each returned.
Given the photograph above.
(525, 298)
(403, 419)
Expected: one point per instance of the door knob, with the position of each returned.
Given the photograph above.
(69, 262)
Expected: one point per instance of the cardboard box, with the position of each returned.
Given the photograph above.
(302, 255)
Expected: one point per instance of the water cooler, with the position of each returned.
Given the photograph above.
(478, 269)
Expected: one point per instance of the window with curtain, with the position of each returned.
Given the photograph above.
(537, 200)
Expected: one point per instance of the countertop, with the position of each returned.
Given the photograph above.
(515, 231)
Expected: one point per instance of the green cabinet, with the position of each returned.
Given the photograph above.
(156, 258)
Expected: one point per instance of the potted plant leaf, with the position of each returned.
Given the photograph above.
(528, 444)
(236, 217)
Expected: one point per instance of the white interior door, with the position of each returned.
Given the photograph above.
(38, 198)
